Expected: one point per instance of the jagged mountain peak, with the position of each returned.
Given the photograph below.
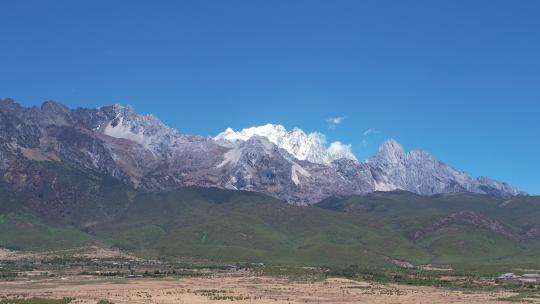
(289, 164)
(54, 106)
(8, 101)
(10, 105)
(417, 171)
(391, 146)
(390, 152)
(303, 146)
(144, 129)
(271, 131)
(128, 112)
(418, 153)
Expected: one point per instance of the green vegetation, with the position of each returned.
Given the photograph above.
(223, 226)
(461, 244)
(237, 226)
(20, 232)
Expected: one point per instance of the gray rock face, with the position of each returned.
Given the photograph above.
(141, 151)
(258, 165)
(416, 171)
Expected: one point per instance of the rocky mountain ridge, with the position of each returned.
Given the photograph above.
(141, 151)
(302, 146)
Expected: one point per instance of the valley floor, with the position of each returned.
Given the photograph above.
(239, 288)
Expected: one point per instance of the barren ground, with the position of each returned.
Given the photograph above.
(240, 288)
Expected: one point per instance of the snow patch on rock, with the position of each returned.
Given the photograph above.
(295, 170)
(231, 157)
(119, 130)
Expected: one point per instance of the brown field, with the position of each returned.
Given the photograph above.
(237, 288)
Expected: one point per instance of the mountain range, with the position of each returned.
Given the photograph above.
(110, 177)
(142, 152)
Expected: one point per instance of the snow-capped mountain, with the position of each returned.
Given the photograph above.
(302, 146)
(141, 151)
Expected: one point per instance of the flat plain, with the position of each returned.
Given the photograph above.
(240, 287)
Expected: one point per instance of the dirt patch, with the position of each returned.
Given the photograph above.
(246, 288)
(90, 252)
(38, 155)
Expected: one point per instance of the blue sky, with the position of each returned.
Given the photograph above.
(459, 79)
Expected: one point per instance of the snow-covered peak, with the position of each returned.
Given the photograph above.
(311, 147)
(270, 131)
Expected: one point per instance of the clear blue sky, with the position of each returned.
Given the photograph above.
(459, 79)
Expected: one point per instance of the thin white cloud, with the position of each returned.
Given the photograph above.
(371, 131)
(333, 122)
(366, 136)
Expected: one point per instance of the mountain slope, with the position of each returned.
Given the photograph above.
(455, 228)
(141, 152)
(232, 226)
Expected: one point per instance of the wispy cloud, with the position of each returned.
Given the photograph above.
(367, 134)
(371, 131)
(333, 122)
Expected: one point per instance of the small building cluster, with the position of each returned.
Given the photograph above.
(527, 278)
